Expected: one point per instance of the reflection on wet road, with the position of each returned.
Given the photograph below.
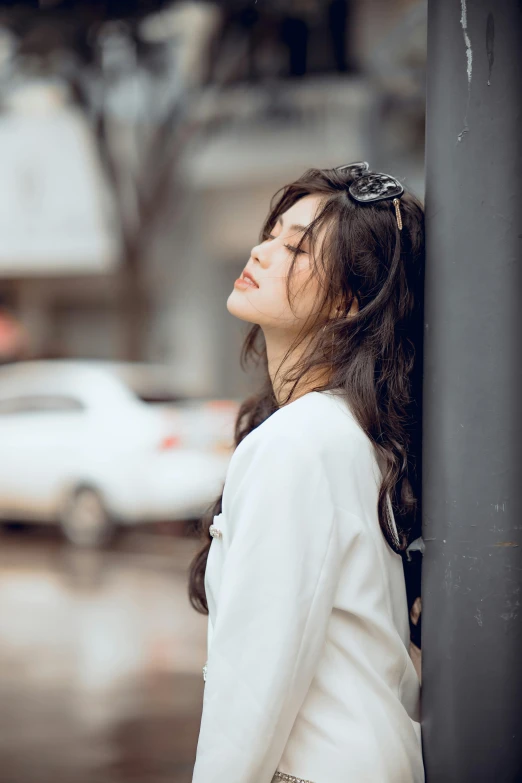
(101, 656)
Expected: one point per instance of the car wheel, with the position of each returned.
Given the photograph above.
(85, 520)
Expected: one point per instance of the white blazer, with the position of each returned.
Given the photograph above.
(308, 675)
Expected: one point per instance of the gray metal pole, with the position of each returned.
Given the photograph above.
(472, 450)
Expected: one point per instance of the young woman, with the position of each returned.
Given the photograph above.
(308, 676)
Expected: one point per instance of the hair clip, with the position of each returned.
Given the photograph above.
(397, 213)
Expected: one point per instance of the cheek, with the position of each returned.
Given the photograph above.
(303, 286)
(273, 289)
(304, 289)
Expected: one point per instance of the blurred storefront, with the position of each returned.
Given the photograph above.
(57, 217)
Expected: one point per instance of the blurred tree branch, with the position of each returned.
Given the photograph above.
(132, 79)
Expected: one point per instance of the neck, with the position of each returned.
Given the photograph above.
(283, 354)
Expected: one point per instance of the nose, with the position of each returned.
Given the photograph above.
(260, 254)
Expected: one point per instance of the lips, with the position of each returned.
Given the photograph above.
(247, 276)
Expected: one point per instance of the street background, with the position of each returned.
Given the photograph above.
(140, 143)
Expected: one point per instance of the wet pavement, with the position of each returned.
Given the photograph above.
(100, 660)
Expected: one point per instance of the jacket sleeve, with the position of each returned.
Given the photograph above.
(278, 585)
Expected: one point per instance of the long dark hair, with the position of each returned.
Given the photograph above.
(373, 357)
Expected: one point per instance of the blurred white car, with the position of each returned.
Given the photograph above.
(94, 444)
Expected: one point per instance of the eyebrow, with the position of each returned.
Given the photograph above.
(295, 227)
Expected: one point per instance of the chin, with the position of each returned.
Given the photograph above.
(239, 306)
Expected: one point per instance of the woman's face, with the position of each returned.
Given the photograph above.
(266, 303)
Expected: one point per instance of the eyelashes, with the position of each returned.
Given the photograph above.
(296, 250)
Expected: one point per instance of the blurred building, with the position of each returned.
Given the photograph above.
(154, 145)
(263, 138)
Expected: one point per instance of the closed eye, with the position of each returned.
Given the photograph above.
(292, 249)
(295, 249)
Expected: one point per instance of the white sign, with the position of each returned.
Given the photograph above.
(56, 212)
